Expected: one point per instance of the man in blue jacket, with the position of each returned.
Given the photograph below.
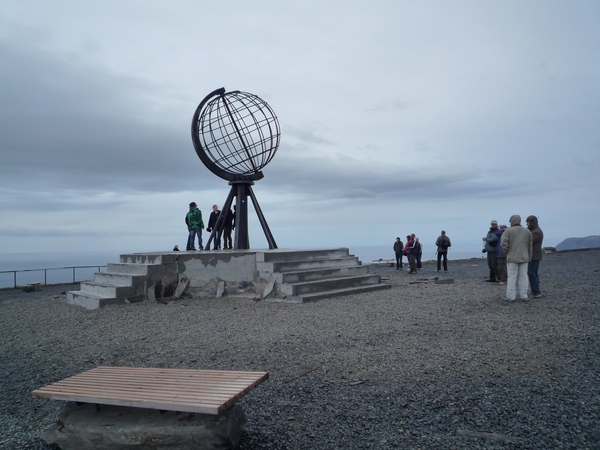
(491, 242)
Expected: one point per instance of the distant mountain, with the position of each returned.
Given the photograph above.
(579, 243)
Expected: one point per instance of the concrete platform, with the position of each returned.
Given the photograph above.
(286, 274)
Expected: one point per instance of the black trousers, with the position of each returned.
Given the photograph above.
(227, 238)
(492, 260)
(398, 260)
(439, 258)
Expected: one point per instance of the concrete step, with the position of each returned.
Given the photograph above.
(303, 298)
(140, 269)
(328, 284)
(281, 255)
(127, 268)
(92, 301)
(298, 265)
(149, 258)
(106, 290)
(317, 274)
(118, 279)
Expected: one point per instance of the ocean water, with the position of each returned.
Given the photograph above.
(30, 266)
(57, 265)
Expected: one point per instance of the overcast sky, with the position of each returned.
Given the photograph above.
(397, 117)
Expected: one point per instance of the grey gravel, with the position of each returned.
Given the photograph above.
(421, 365)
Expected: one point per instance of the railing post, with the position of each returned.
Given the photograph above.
(14, 279)
(73, 274)
(45, 279)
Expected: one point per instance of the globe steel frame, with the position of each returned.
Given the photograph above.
(241, 177)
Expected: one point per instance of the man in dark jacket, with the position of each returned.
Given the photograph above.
(399, 251)
(491, 242)
(443, 244)
(228, 226)
(533, 266)
(212, 222)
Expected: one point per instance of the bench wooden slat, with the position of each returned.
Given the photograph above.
(130, 393)
(188, 390)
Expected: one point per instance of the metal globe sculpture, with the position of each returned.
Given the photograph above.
(236, 134)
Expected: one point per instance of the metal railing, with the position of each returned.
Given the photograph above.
(73, 269)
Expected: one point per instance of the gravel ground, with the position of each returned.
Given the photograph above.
(418, 366)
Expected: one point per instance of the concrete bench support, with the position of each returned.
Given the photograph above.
(140, 408)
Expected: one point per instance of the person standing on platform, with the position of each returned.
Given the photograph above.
(193, 220)
(399, 251)
(532, 269)
(212, 221)
(443, 244)
(227, 228)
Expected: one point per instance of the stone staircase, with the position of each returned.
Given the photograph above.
(133, 279)
(307, 275)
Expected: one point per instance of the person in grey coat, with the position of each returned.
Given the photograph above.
(517, 243)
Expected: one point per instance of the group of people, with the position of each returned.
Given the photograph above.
(413, 250)
(195, 225)
(514, 255)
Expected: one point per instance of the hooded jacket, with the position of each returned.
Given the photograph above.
(517, 242)
(193, 219)
(537, 236)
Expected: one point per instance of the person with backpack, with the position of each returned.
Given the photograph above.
(443, 244)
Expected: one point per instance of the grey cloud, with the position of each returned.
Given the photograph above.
(348, 178)
(70, 126)
(306, 135)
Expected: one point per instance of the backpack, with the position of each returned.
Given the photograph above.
(445, 242)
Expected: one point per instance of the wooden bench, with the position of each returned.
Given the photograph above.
(384, 261)
(185, 390)
(35, 285)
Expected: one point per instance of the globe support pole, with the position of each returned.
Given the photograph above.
(241, 190)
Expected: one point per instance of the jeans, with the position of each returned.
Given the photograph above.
(492, 260)
(192, 238)
(517, 280)
(439, 258)
(534, 279)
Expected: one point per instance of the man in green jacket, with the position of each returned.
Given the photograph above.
(193, 220)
